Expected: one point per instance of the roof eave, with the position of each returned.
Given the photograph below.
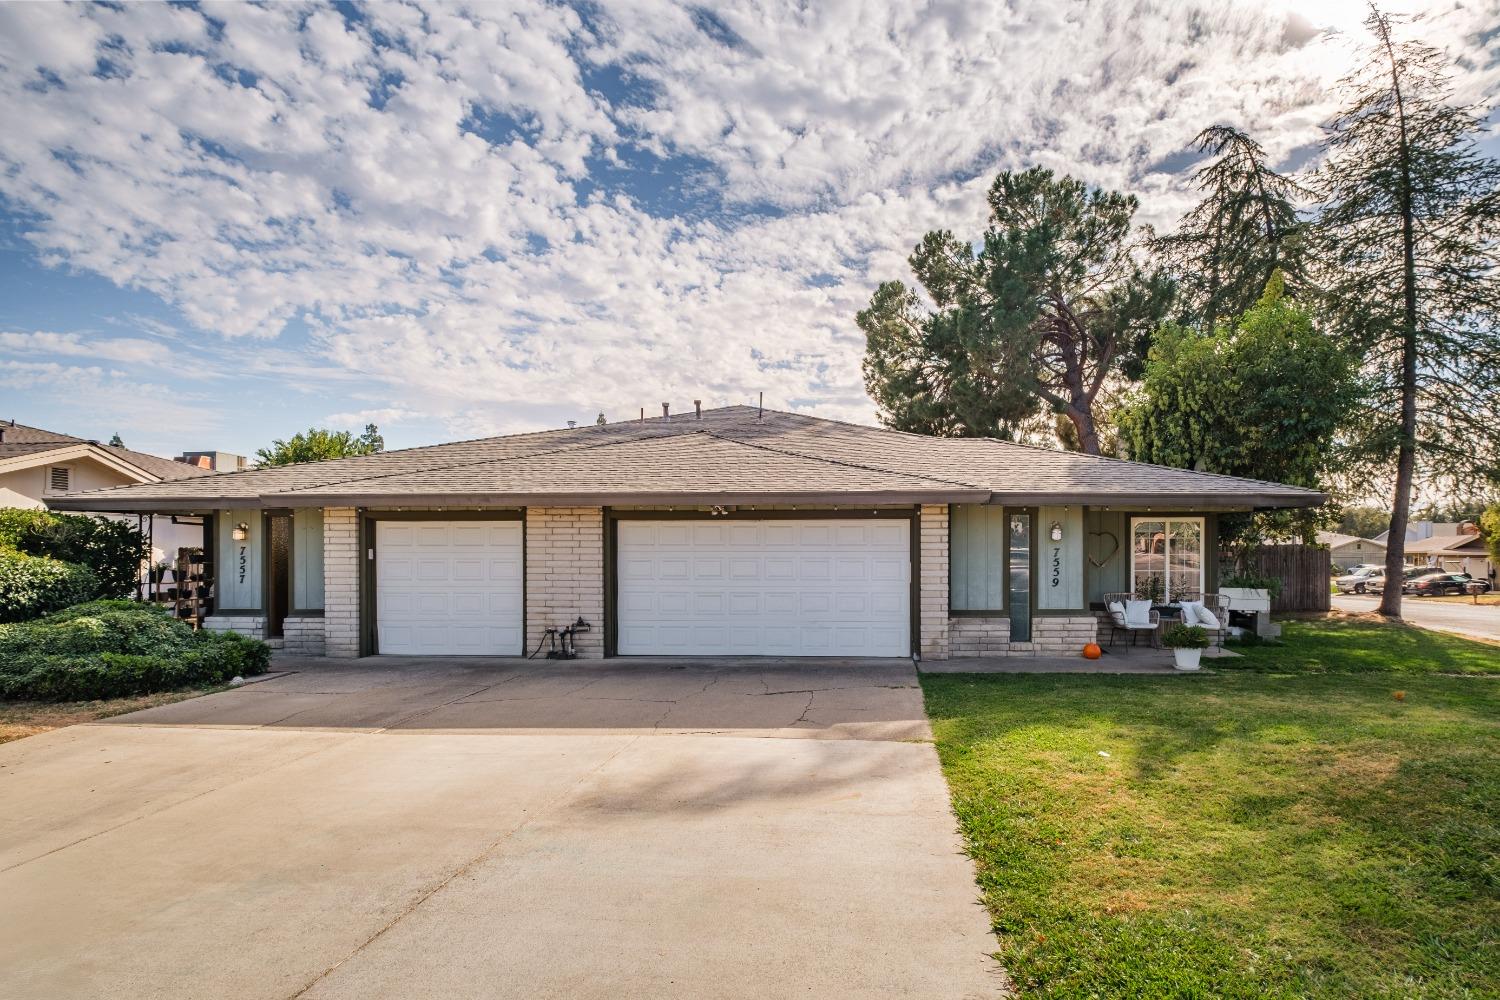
(84, 503)
(621, 498)
(1176, 501)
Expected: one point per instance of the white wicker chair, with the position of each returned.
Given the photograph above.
(1115, 605)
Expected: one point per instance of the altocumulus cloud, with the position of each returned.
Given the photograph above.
(501, 214)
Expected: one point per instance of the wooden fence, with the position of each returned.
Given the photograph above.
(1303, 571)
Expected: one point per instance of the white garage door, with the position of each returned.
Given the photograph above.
(448, 587)
(759, 588)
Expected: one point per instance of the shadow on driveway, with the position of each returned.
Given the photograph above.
(867, 699)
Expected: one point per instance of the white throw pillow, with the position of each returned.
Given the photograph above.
(1192, 612)
(1117, 611)
(1138, 614)
(1207, 618)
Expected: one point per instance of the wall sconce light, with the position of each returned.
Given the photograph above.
(1056, 531)
(240, 532)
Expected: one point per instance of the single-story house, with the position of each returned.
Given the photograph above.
(1348, 551)
(1461, 553)
(731, 531)
(37, 466)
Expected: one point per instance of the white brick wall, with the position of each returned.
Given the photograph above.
(565, 574)
(978, 636)
(341, 557)
(247, 625)
(933, 592)
(1050, 636)
(303, 636)
(1060, 636)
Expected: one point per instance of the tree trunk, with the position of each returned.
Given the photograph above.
(1083, 421)
(1406, 453)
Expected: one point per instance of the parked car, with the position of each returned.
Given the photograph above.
(1442, 584)
(1358, 582)
(1377, 585)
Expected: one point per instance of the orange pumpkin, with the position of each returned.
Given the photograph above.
(1091, 651)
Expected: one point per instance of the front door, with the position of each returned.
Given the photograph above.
(279, 576)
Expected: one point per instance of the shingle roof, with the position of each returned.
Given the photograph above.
(734, 454)
(1334, 539)
(19, 440)
(1445, 543)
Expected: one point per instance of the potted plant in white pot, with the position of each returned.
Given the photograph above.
(1250, 592)
(1187, 643)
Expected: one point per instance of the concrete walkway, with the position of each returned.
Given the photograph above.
(403, 828)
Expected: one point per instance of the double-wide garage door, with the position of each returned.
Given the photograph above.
(772, 587)
(448, 587)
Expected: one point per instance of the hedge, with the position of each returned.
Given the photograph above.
(111, 551)
(31, 586)
(113, 649)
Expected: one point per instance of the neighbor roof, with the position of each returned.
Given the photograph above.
(18, 441)
(1446, 543)
(731, 455)
(1334, 539)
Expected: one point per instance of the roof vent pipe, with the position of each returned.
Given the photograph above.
(762, 411)
(572, 424)
(698, 408)
(666, 413)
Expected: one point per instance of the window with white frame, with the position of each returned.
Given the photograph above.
(1166, 558)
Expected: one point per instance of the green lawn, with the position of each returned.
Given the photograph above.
(1361, 645)
(1288, 830)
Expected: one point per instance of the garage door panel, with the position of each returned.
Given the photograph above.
(451, 588)
(788, 587)
(778, 536)
(743, 603)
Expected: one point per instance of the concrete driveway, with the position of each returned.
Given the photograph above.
(403, 827)
(1479, 620)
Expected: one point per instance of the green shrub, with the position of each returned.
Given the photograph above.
(1185, 637)
(31, 586)
(112, 649)
(112, 549)
(1254, 581)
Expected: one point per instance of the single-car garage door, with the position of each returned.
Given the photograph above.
(758, 588)
(448, 587)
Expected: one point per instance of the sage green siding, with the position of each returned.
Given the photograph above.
(1059, 564)
(307, 559)
(239, 562)
(976, 557)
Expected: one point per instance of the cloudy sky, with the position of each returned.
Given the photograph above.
(223, 223)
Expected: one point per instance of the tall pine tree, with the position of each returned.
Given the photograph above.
(1408, 240)
(1245, 229)
(1055, 303)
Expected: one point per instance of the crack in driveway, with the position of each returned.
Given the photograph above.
(465, 868)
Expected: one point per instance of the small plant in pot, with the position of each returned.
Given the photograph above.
(1187, 643)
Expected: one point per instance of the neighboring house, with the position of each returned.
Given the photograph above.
(1460, 553)
(1348, 551)
(729, 532)
(1418, 530)
(214, 461)
(38, 466)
